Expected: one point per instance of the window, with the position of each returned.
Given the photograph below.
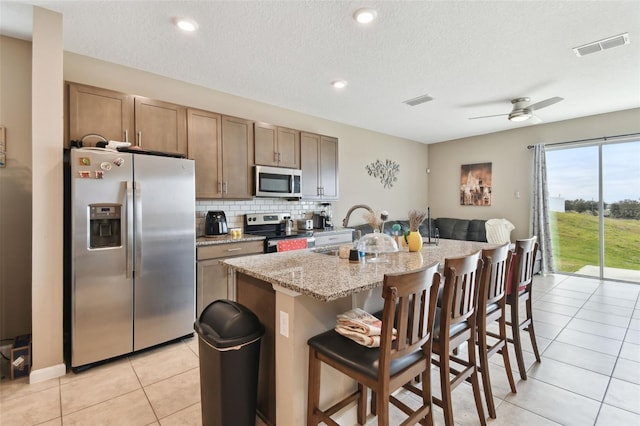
(594, 198)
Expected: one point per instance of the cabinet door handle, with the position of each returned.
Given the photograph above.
(140, 138)
(235, 249)
(279, 157)
(126, 135)
(275, 156)
(224, 186)
(220, 187)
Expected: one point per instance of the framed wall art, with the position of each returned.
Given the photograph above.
(475, 184)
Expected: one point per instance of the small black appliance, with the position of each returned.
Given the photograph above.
(216, 223)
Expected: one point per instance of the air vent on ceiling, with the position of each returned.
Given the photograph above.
(419, 100)
(600, 45)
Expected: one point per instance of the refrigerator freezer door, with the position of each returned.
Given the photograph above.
(164, 264)
(101, 292)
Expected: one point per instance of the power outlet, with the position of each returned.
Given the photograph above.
(284, 324)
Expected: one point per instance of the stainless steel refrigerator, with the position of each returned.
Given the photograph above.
(130, 252)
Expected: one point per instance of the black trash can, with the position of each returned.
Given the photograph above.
(229, 349)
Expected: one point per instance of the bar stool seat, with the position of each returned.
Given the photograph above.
(358, 357)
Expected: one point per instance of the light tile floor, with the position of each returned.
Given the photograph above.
(588, 333)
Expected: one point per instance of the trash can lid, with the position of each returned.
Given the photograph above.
(225, 324)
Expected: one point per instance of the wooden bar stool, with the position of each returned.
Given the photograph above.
(520, 290)
(491, 308)
(455, 325)
(411, 299)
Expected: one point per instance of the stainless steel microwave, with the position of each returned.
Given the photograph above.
(278, 182)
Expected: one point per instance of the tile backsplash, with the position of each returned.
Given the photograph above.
(235, 210)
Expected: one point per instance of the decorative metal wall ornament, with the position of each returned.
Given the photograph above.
(387, 171)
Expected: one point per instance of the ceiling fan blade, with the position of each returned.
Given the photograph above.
(487, 116)
(545, 103)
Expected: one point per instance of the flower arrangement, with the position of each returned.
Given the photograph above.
(416, 217)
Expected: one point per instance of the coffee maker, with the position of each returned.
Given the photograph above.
(215, 223)
(323, 219)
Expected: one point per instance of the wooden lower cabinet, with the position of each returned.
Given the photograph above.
(212, 275)
(260, 298)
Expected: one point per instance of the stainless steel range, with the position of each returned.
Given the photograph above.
(277, 227)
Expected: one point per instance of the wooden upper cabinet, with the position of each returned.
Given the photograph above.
(329, 167)
(237, 157)
(309, 148)
(276, 146)
(265, 145)
(288, 148)
(95, 111)
(204, 141)
(319, 161)
(160, 126)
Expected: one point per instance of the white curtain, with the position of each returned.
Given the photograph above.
(540, 213)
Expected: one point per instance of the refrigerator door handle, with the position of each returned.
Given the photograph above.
(129, 227)
(138, 225)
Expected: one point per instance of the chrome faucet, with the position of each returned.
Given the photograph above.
(345, 221)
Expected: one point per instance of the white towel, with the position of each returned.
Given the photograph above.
(360, 326)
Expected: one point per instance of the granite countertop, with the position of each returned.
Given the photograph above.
(327, 278)
(225, 239)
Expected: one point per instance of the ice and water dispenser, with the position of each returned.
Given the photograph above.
(104, 225)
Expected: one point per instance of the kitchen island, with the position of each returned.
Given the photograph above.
(297, 295)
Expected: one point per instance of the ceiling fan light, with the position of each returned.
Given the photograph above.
(520, 115)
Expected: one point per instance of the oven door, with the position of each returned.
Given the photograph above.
(277, 182)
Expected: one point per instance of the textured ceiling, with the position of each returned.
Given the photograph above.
(471, 57)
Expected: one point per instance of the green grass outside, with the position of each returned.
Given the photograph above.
(575, 242)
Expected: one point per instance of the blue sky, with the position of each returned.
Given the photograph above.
(573, 173)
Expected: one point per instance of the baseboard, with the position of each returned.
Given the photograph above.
(44, 374)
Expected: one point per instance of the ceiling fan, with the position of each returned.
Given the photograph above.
(522, 110)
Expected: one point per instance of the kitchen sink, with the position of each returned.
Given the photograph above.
(328, 251)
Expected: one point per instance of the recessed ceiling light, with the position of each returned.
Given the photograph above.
(339, 84)
(365, 15)
(186, 24)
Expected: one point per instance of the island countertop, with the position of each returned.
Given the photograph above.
(327, 278)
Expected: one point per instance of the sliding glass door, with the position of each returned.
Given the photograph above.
(594, 193)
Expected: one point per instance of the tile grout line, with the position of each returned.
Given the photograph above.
(143, 390)
(615, 364)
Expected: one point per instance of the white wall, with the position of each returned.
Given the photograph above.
(512, 166)
(357, 147)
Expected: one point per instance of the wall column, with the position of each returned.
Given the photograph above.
(47, 207)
